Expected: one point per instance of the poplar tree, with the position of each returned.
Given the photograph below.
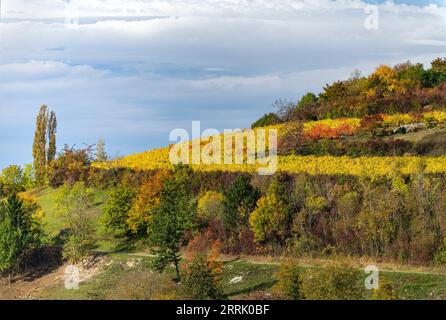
(52, 130)
(46, 129)
(39, 146)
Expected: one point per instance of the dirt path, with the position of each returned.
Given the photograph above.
(32, 288)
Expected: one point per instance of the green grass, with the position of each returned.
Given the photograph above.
(54, 223)
(255, 277)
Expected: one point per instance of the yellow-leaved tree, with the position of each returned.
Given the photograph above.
(270, 220)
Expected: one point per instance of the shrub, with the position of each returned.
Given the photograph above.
(339, 282)
(288, 281)
(201, 279)
(72, 165)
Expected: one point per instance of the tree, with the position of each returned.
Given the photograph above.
(240, 200)
(12, 180)
(171, 219)
(74, 204)
(39, 146)
(308, 99)
(46, 128)
(28, 177)
(18, 232)
(270, 220)
(101, 154)
(285, 109)
(147, 198)
(210, 206)
(268, 119)
(52, 130)
(439, 65)
(116, 209)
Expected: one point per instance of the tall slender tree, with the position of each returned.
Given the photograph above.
(46, 129)
(52, 130)
(39, 146)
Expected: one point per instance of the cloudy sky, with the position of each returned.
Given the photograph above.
(130, 71)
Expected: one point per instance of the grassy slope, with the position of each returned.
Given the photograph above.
(54, 223)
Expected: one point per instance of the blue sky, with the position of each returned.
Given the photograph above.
(131, 71)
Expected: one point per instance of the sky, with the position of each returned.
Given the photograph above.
(130, 71)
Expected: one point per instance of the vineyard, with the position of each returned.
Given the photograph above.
(315, 165)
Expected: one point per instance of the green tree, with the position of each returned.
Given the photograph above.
(267, 119)
(28, 176)
(306, 100)
(39, 146)
(240, 200)
(171, 219)
(101, 154)
(18, 232)
(74, 204)
(12, 180)
(116, 209)
(52, 130)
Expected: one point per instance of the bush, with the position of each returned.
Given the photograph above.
(288, 281)
(340, 282)
(201, 279)
(72, 165)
